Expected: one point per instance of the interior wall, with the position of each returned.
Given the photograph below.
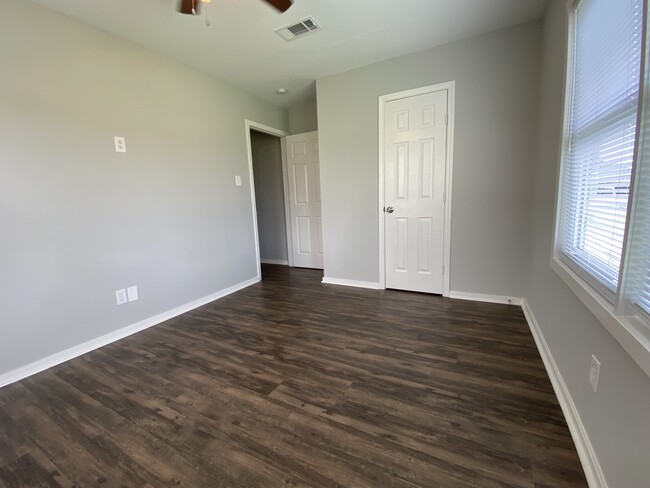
(616, 417)
(80, 221)
(497, 83)
(269, 196)
(303, 117)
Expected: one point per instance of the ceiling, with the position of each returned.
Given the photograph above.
(240, 46)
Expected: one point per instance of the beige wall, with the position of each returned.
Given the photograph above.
(80, 221)
(497, 83)
(303, 117)
(616, 418)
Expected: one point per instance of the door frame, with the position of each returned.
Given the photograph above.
(450, 86)
(250, 124)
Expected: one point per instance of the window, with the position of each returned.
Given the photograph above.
(603, 222)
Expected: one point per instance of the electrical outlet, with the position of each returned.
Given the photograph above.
(594, 372)
(132, 293)
(120, 144)
(121, 297)
(237, 180)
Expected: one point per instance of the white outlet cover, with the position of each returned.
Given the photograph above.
(121, 297)
(594, 372)
(238, 180)
(120, 144)
(132, 293)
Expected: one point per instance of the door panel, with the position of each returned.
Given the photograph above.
(301, 184)
(425, 234)
(426, 168)
(415, 145)
(319, 232)
(401, 244)
(304, 235)
(303, 172)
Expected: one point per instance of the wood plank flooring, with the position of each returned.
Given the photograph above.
(291, 383)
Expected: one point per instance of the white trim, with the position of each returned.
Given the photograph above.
(450, 86)
(267, 129)
(449, 173)
(354, 283)
(591, 466)
(281, 262)
(250, 124)
(628, 334)
(381, 198)
(481, 297)
(287, 209)
(88, 346)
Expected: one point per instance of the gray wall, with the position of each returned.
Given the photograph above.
(303, 117)
(617, 417)
(269, 196)
(497, 77)
(80, 221)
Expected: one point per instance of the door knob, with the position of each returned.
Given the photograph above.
(389, 209)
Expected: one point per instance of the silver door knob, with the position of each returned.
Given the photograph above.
(389, 209)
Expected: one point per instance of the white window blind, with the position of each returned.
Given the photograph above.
(639, 262)
(598, 160)
(638, 265)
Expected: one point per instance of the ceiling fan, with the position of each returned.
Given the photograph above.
(192, 7)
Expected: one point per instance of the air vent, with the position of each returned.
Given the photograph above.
(299, 29)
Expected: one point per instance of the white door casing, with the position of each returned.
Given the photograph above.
(250, 124)
(303, 179)
(415, 146)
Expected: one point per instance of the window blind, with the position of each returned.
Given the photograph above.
(639, 263)
(638, 266)
(598, 161)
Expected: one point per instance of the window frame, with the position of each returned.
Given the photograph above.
(610, 309)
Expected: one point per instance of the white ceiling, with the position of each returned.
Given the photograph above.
(241, 47)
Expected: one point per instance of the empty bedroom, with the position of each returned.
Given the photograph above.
(325, 243)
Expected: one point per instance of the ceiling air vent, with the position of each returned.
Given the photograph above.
(299, 29)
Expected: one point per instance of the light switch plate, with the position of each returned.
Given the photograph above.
(238, 180)
(132, 293)
(120, 144)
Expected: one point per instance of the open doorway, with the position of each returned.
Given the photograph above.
(285, 193)
(268, 193)
(269, 198)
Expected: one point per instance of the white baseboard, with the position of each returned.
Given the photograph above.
(590, 464)
(357, 284)
(480, 297)
(275, 261)
(91, 345)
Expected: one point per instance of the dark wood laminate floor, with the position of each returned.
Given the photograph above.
(291, 383)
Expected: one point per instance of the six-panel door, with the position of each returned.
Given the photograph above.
(415, 146)
(303, 175)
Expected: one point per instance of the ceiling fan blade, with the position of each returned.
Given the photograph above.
(281, 5)
(189, 6)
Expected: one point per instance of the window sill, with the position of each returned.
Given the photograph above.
(629, 334)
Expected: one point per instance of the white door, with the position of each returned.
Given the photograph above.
(415, 146)
(303, 178)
